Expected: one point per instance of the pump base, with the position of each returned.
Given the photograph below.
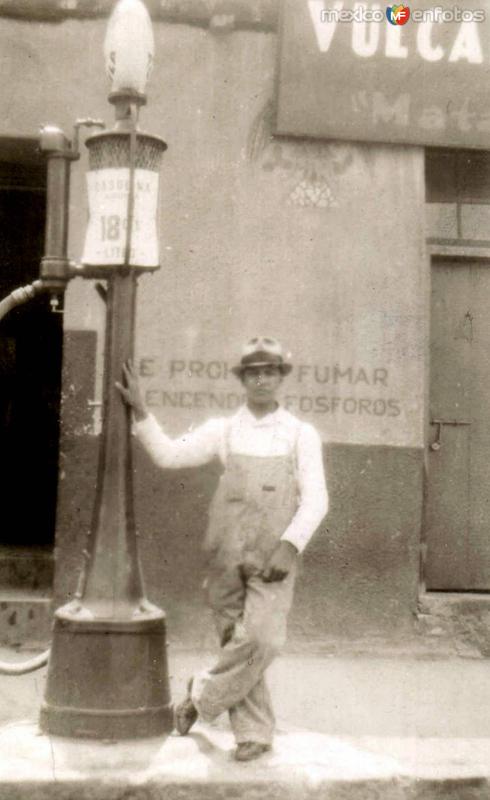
(108, 679)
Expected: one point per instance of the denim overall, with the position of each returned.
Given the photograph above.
(255, 501)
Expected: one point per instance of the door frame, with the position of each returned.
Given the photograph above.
(441, 251)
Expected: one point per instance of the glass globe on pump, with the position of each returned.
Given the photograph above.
(129, 49)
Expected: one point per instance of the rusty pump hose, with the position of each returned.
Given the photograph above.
(19, 296)
(23, 667)
(16, 298)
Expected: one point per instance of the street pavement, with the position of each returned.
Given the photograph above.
(353, 695)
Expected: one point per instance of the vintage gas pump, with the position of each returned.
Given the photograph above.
(107, 675)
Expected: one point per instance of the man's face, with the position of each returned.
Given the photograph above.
(261, 384)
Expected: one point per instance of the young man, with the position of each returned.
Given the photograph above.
(270, 499)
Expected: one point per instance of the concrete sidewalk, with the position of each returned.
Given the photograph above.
(353, 726)
(302, 765)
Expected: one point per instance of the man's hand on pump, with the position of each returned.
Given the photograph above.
(280, 563)
(131, 392)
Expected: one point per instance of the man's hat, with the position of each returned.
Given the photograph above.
(262, 351)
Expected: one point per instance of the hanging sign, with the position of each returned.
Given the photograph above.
(105, 243)
(400, 73)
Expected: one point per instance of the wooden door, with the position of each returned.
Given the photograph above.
(458, 490)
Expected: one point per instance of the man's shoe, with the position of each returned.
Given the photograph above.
(185, 713)
(247, 751)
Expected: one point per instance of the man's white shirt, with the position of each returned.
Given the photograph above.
(276, 434)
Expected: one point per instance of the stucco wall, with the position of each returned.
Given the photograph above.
(320, 244)
(359, 573)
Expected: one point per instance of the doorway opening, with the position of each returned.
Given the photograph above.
(30, 377)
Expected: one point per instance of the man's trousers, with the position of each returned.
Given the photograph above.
(251, 619)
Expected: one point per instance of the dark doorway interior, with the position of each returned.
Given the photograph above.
(30, 358)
